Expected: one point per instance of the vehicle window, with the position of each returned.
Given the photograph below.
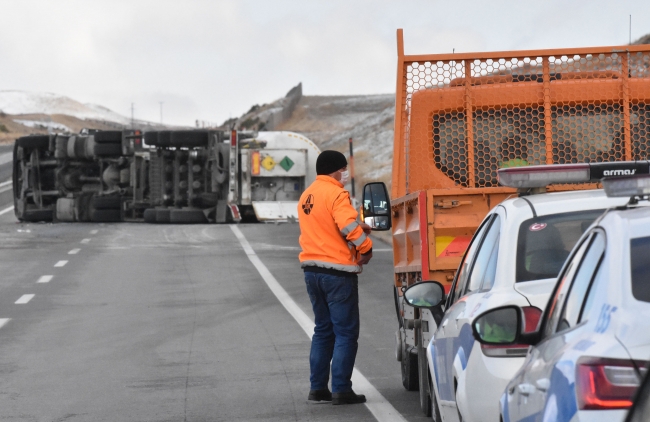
(555, 305)
(463, 270)
(591, 292)
(481, 269)
(545, 242)
(581, 282)
(640, 268)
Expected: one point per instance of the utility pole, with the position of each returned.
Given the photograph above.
(161, 120)
(351, 165)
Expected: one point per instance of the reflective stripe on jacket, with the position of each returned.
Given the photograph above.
(330, 236)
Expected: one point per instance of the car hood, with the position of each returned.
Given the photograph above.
(536, 291)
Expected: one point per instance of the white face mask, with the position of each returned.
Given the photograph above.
(345, 177)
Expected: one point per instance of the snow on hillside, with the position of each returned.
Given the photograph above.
(23, 102)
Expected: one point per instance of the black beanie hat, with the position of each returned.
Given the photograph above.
(330, 161)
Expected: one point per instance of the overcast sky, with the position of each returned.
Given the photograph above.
(211, 60)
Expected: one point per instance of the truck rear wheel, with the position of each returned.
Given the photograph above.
(150, 215)
(163, 215)
(37, 215)
(423, 376)
(189, 138)
(34, 141)
(105, 216)
(151, 138)
(107, 150)
(409, 369)
(108, 137)
(106, 202)
(187, 216)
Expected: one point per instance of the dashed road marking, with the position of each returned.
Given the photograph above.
(377, 404)
(94, 231)
(74, 252)
(60, 263)
(45, 279)
(6, 210)
(24, 299)
(85, 241)
(4, 321)
(8, 182)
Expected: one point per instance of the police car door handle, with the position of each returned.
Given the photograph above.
(543, 384)
(526, 389)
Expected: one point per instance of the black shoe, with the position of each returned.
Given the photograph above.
(319, 395)
(348, 398)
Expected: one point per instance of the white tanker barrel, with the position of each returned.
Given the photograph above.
(280, 173)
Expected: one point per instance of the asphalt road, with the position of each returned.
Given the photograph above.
(137, 322)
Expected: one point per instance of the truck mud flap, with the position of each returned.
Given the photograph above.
(276, 211)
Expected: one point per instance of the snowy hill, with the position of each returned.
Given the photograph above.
(23, 102)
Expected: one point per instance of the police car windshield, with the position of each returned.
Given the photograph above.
(544, 243)
(640, 268)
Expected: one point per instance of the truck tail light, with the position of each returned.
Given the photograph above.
(531, 320)
(233, 138)
(605, 383)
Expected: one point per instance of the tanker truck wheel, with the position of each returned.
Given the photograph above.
(107, 150)
(409, 369)
(34, 142)
(189, 138)
(106, 202)
(163, 215)
(150, 215)
(108, 137)
(187, 216)
(105, 216)
(37, 215)
(423, 376)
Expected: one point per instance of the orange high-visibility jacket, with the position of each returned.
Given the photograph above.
(330, 235)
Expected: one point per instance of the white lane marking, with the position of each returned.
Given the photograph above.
(74, 252)
(85, 240)
(45, 279)
(60, 263)
(24, 299)
(94, 231)
(380, 408)
(4, 189)
(3, 184)
(382, 250)
(4, 321)
(6, 210)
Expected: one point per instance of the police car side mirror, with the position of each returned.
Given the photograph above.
(376, 206)
(498, 327)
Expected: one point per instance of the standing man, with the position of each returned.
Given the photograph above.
(334, 248)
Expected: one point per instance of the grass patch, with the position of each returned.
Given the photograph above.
(3, 128)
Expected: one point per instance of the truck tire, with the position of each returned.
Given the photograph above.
(423, 376)
(188, 138)
(151, 138)
(105, 216)
(409, 365)
(34, 141)
(37, 215)
(108, 137)
(150, 215)
(187, 216)
(164, 138)
(107, 150)
(223, 163)
(106, 202)
(163, 215)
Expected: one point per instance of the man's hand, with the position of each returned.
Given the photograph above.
(365, 258)
(366, 228)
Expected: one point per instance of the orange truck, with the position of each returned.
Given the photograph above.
(460, 117)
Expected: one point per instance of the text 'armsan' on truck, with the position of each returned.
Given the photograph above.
(460, 117)
(181, 176)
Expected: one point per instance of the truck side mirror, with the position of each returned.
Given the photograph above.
(427, 294)
(376, 206)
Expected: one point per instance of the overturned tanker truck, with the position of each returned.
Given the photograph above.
(181, 176)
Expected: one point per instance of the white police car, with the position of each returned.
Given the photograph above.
(513, 259)
(593, 340)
